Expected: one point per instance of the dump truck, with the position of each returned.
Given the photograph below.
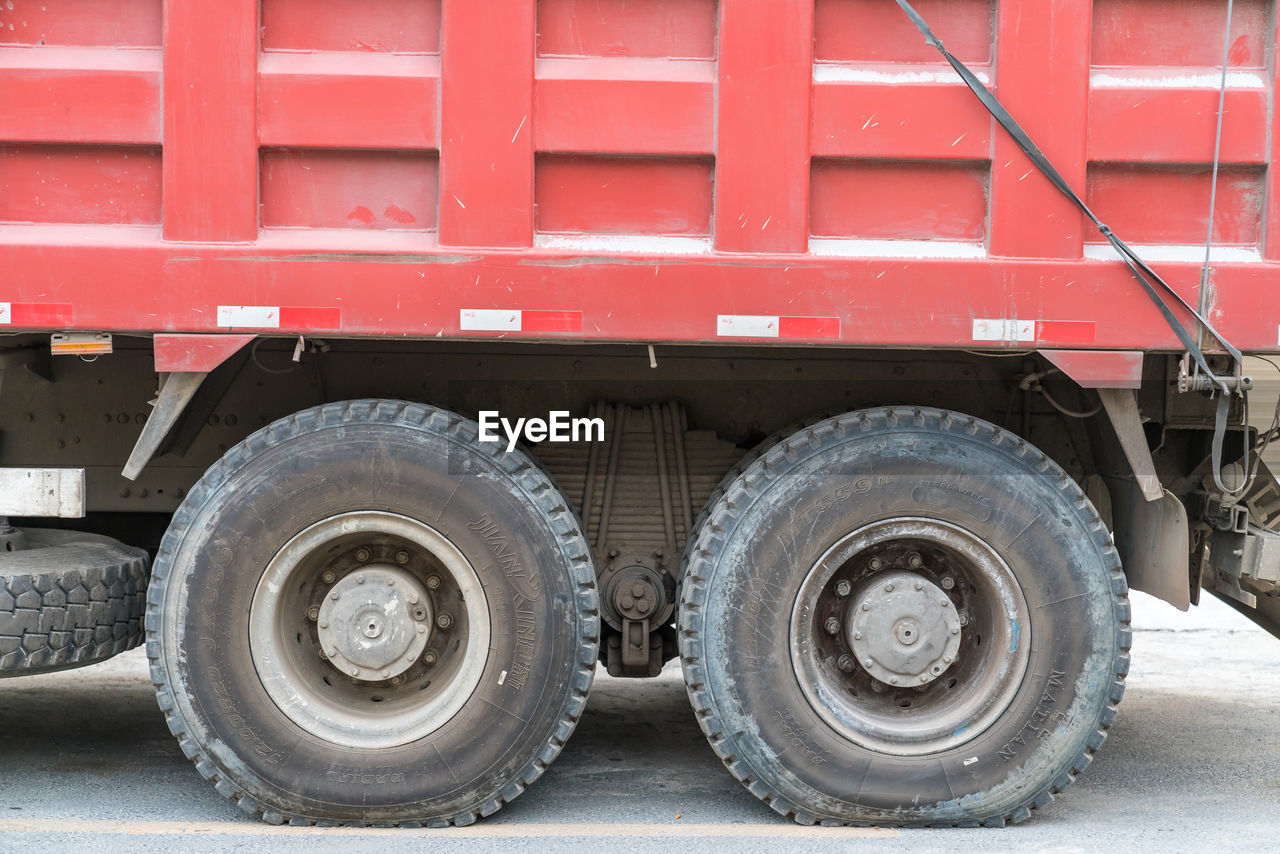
(389, 367)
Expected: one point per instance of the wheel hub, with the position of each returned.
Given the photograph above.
(904, 629)
(375, 622)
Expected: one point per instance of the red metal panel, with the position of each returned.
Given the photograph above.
(939, 121)
(486, 145)
(1121, 195)
(1043, 79)
(342, 81)
(77, 94)
(210, 133)
(391, 26)
(347, 100)
(877, 199)
(195, 353)
(624, 106)
(763, 121)
(1178, 125)
(621, 195)
(349, 189)
(1179, 33)
(876, 31)
(668, 28)
(75, 183)
(1271, 248)
(108, 23)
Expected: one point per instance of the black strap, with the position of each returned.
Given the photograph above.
(1151, 282)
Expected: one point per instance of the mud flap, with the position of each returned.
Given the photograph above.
(1153, 539)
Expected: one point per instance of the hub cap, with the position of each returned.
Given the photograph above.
(904, 629)
(375, 622)
(369, 629)
(910, 636)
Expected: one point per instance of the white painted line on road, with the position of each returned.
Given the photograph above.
(475, 831)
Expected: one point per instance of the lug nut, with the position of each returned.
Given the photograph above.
(363, 555)
(402, 557)
(876, 564)
(845, 664)
(843, 588)
(915, 561)
(429, 657)
(419, 613)
(329, 576)
(948, 582)
(433, 581)
(313, 613)
(832, 625)
(444, 621)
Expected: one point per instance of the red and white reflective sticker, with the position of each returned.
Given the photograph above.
(35, 314)
(1007, 331)
(775, 326)
(518, 320)
(278, 317)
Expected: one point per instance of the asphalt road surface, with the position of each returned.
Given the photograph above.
(1192, 764)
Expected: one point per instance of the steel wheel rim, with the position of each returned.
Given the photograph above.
(936, 712)
(369, 712)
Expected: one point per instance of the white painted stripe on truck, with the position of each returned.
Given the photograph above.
(489, 320)
(747, 325)
(1010, 331)
(249, 316)
(5, 313)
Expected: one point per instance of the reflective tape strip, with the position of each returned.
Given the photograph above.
(1004, 330)
(775, 326)
(488, 320)
(1013, 331)
(517, 320)
(302, 318)
(35, 314)
(249, 316)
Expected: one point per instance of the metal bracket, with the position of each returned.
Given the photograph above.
(1122, 409)
(176, 392)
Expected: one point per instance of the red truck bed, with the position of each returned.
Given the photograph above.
(668, 170)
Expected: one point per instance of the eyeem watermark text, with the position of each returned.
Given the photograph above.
(556, 427)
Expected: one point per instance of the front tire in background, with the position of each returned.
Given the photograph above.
(904, 616)
(362, 615)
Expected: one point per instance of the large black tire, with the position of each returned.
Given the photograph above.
(67, 600)
(855, 472)
(421, 463)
